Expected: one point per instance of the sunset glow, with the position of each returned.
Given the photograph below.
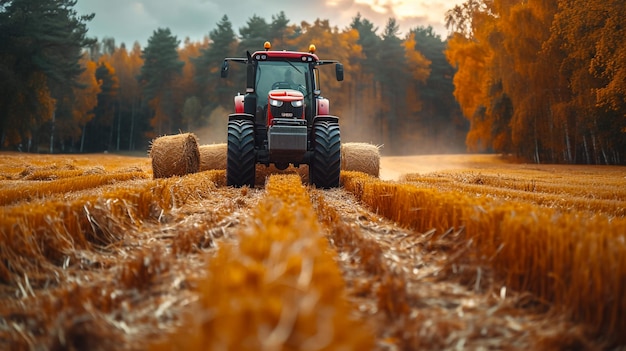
(404, 9)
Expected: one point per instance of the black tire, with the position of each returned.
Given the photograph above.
(325, 167)
(241, 157)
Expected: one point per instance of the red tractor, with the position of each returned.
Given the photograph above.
(282, 119)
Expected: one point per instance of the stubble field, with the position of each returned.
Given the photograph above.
(443, 252)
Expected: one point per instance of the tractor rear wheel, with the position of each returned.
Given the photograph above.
(241, 157)
(325, 166)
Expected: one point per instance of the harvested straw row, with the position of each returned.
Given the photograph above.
(26, 191)
(175, 155)
(576, 260)
(278, 289)
(605, 193)
(564, 201)
(39, 238)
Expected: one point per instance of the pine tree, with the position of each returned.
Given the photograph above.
(215, 91)
(254, 34)
(161, 66)
(392, 74)
(41, 45)
(279, 30)
(440, 115)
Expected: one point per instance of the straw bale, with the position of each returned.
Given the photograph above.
(175, 155)
(360, 157)
(213, 156)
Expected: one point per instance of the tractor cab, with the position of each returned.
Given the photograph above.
(273, 76)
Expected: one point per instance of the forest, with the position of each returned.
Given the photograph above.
(542, 79)
(539, 80)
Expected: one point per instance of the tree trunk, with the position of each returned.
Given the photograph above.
(568, 145)
(111, 129)
(82, 138)
(586, 148)
(596, 154)
(132, 125)
(52, 132)
(119, 119)
(537, 160)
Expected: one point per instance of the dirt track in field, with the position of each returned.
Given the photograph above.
(414, 293)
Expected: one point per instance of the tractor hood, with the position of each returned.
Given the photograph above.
(286, 95)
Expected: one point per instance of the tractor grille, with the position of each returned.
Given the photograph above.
(287, 138)
(286, 111)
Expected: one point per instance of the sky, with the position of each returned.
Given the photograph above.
(128, 21)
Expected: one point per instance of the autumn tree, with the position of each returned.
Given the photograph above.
(409, 124)
(86, 99)
(127, 65)
(470, 54)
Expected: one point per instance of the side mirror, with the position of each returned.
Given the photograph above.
(250, 74)
(339, 72)
(224, 70)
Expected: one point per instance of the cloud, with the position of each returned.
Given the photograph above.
(130, 21)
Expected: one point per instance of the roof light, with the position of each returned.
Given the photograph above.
(312, 49)
(267, 45)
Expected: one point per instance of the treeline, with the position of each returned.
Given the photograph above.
(62, 92)
(545, 80)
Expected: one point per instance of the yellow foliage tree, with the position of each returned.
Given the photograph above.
(85, 97)
(471, 59)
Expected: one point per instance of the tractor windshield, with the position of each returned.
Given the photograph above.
(281, 75)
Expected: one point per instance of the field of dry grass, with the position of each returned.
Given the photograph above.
(96, 254)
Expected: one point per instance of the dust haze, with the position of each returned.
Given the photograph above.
(360, 124)
(215, 129)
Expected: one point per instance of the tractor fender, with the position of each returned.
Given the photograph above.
(323, 106)
(239, 116)
(239, 104)
(326, 118)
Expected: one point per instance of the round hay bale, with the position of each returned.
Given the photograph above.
(213, 156)
(360, 157)
(175, 155)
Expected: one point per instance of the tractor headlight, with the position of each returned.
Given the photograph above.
(276, 103)
(297, 103)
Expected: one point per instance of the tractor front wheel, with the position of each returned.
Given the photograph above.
(325, 166)
(241, 157)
